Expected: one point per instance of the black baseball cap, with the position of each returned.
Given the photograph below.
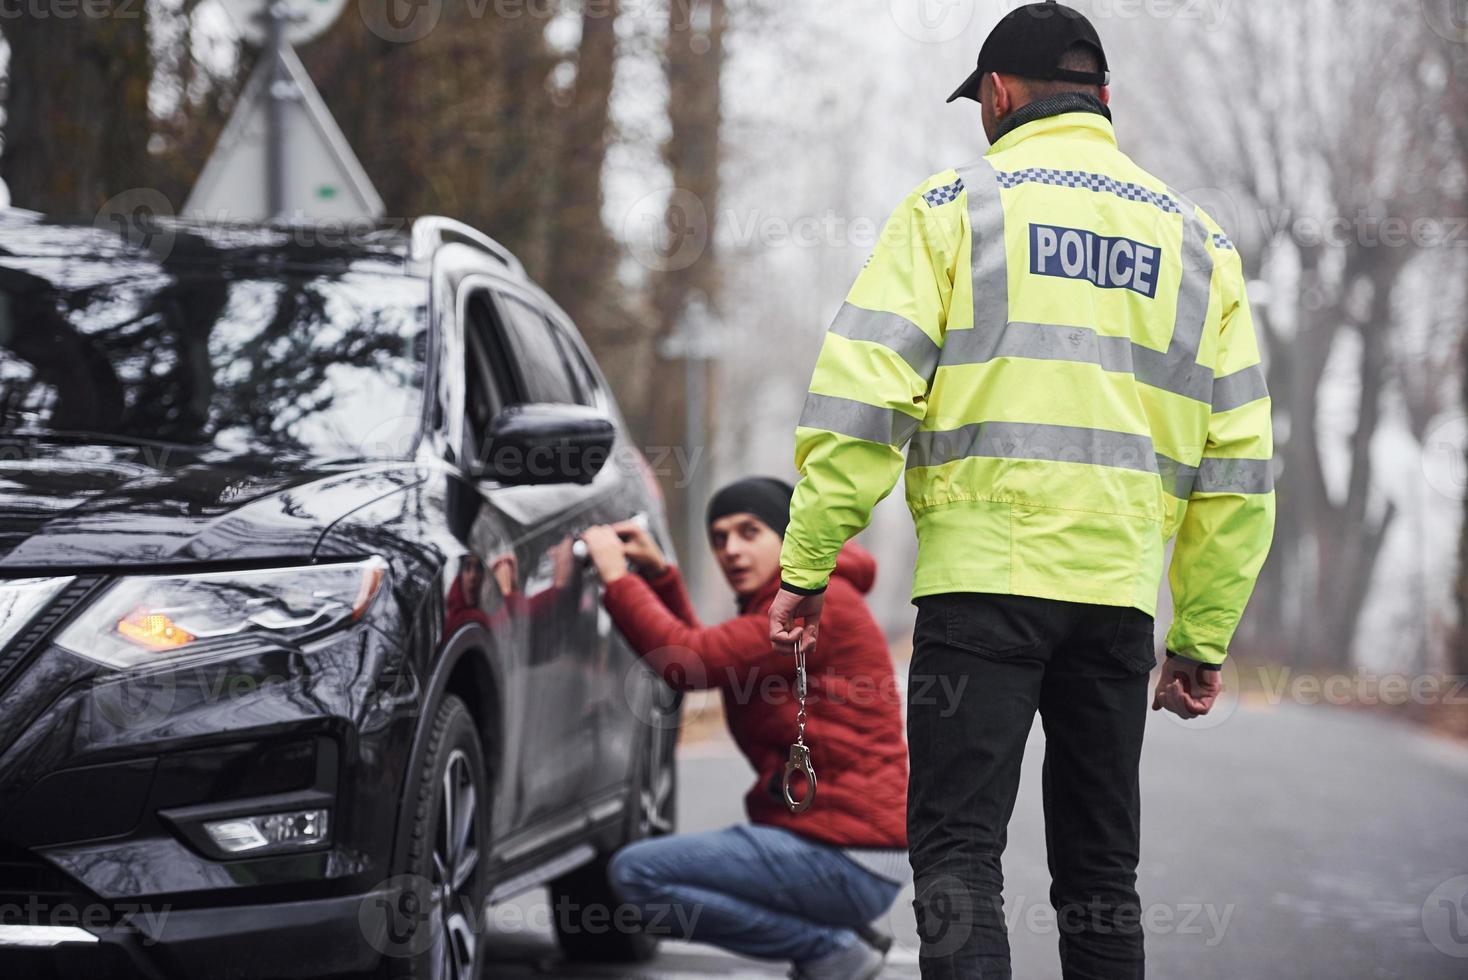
(1029, 41)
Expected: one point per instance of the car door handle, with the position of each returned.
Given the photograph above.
(578, 547)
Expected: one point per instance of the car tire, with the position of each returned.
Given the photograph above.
(650, 813)
(444, 882)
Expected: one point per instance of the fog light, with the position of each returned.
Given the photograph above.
(272, 831)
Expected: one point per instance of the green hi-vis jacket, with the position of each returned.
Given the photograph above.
(1064, 347)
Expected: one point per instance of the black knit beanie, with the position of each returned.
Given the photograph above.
(763, 496)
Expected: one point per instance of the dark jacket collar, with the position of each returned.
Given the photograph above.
(1051, 105)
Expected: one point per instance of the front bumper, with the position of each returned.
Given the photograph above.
(103, 791)
(307, 939)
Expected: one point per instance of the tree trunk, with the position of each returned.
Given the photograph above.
(1458, 644)
(581, 251)
(694, 66)
(1455, 110)
(77, 122)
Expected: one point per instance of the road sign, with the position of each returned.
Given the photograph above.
(302, 19)
(320, 176)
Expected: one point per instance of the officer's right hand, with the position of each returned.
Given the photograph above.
(1187, 688)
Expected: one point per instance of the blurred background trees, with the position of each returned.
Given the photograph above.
(1335, 158)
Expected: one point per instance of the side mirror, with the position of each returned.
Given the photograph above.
(535, 444)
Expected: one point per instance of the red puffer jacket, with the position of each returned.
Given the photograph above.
(854, 722)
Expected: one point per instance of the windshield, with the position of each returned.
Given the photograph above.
(325, 364)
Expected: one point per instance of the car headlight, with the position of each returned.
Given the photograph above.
(147, 619)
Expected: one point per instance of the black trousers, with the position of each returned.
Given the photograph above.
(982, 665)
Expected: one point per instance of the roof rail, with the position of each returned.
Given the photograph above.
(432, 231)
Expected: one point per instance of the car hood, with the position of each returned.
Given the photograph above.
(79, 507)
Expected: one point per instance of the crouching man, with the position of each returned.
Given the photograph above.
(798, 887)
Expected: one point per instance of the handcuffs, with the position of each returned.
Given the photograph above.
(799, 761)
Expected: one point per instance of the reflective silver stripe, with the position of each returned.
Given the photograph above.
(1100, 183)
(857, 419)
(1234, 476)
(1177, 478)
(1049, 342)
(1041, 341)
(1239, 388)
(1029, 440)
(897, 333)
(990, 262)
(1178, 370)
(1095, 447)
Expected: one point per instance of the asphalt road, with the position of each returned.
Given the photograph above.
(1281, 842)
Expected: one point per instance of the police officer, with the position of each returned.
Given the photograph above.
(1062, 343)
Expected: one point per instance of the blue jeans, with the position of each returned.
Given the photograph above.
(754, 890)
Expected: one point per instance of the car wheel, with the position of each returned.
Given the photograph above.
(446, 852)
(651, 811)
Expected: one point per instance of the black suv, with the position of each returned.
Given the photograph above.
(300, 665)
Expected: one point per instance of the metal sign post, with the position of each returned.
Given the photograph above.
(276, 93)
(698, 341)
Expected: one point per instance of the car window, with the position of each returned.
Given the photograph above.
(585, 379)
(484, 363)
(544, 373)
(324, 363)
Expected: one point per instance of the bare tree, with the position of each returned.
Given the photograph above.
(1323, 167)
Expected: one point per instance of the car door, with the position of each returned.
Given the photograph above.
(486, 583)
(635, 704)
(555, 592)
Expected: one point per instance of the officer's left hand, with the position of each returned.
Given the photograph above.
(1187, 688)
(785, 610)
